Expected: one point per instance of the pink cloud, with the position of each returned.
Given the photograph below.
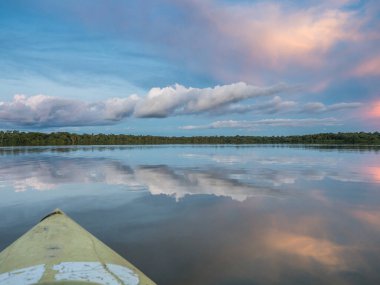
(375, 111)
(372, 111)
(274, 35)
(369, 67)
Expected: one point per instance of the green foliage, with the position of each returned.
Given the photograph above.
(16, 138)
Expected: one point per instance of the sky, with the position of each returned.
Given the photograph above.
(190, 67)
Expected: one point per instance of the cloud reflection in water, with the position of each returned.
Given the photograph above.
(236, 176)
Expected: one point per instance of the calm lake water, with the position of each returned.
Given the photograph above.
(222, 215)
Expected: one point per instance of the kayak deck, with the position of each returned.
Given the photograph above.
(59, 251)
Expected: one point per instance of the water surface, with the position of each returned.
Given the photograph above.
(226, 215)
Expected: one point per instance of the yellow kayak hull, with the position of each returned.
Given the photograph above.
(59, 251)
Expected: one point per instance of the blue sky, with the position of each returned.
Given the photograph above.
(190, 67)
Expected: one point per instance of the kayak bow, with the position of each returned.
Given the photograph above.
(59, 251)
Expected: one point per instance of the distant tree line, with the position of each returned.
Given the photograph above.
(16, 138)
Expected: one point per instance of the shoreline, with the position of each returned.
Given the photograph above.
(17, 138)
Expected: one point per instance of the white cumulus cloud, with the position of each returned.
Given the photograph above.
(49, 111)
(177, 99)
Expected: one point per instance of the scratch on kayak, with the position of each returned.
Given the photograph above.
(124, 273)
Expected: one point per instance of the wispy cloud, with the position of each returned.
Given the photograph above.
(275, 105)
(278, 105)
(266, 122)
(318, 107)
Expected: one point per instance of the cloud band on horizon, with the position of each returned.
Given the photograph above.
(265, 122)
(42, 111)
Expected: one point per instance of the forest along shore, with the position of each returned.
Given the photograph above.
(17, 138)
